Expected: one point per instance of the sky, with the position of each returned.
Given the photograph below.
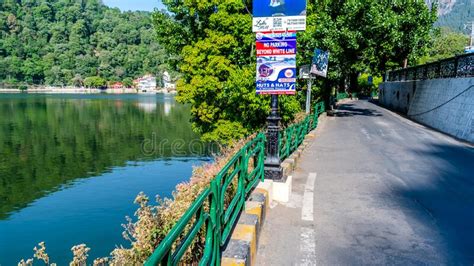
(125, 5)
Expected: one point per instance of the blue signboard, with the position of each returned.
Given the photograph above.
(278, 15)
(271, 8)
(276, 62)
(276, 74)
(320, 62)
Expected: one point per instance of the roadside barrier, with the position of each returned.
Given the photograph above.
(207, 225)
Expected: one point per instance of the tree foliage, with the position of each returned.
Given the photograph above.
(362, 36)
(213, 46)
(214, 42)
(94, 82)
(445, 43)
(61, 42)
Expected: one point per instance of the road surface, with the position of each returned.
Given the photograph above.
(375, 188)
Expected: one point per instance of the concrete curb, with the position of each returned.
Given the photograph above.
(242, 247)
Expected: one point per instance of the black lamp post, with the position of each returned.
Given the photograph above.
(272, 167)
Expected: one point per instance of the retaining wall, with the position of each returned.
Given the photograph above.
(444, 104)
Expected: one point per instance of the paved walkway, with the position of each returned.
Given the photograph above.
(375, 188)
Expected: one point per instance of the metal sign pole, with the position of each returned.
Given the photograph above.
(308, 96)
(272, 164)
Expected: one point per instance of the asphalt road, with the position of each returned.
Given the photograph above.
(375, 188)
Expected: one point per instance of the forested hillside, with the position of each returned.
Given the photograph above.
(455, 14)
(62, 42)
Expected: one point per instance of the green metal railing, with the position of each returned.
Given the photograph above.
(215, 210)
(341, 95)
(207, 224)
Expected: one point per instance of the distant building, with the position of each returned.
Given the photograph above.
(168, 82)
(146, 83)
(117, 85)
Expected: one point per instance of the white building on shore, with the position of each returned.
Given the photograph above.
(168, 83)
(146, 84)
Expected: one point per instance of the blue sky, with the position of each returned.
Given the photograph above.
(124, 5)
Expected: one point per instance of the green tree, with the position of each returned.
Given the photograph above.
(77, 80)
(364, 36)
(213, 43)
(445, 44)
(127, 82)
(94, 82)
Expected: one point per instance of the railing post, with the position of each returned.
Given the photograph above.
(456, 59)
(439, 69)
(273, 168)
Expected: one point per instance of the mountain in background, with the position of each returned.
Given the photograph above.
(62, 42)
(455, 14)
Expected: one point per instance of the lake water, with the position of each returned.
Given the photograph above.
(71, 166)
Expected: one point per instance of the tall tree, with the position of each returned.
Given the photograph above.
(212, 46)
(445, 44)
(214, 42)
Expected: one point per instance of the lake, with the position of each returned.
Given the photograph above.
(71, 166)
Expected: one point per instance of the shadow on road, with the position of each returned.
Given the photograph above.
(447, 194)
(348, 110)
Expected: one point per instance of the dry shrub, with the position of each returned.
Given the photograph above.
(40, 254)
(154, 222)
(80, 255)
(298, 118)
(28, 262)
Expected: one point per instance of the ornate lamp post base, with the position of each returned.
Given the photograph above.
(274, 173)
(273, 168)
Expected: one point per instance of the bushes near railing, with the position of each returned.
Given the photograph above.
(207, 224)
(456, 67)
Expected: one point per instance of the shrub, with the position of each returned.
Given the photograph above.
(94, 82)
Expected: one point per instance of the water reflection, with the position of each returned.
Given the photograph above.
(56, 143)
(46, 141)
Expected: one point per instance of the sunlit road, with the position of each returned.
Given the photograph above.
(375, 188)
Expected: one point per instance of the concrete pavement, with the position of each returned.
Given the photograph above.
(375, 188)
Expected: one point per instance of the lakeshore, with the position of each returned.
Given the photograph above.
(83, 90)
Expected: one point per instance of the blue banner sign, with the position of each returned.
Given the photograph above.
(276, 74)
(279, 15)
(276, 63)
(320, 63)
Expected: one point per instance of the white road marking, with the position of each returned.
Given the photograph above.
(294, 202)
(307, 246)
(307, 209)
(381, 133)
(366, 134)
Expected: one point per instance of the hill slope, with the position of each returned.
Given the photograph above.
(64, 41)
(455, 14)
